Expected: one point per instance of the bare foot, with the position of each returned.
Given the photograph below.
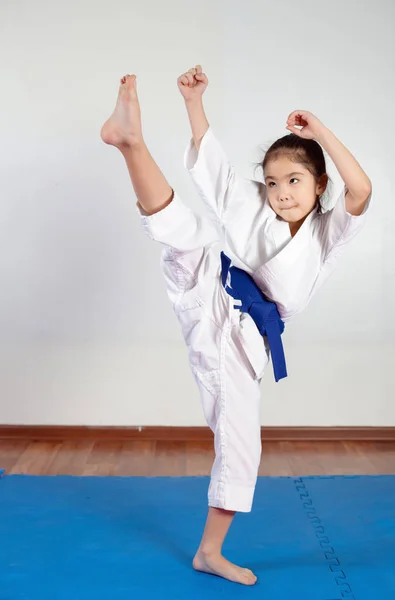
(218, 565)
(123, 128)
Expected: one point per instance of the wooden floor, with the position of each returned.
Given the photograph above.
(150, 458)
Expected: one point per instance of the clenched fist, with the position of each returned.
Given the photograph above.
(193, 83)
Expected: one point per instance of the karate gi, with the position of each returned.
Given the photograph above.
(227, 354)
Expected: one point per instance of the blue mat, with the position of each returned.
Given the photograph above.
(113, 538)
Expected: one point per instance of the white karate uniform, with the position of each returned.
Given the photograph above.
(226, 352)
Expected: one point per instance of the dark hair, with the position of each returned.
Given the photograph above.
(306, 152)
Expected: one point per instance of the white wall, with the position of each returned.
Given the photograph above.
(87, 335)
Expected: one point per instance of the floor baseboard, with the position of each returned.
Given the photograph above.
(185, 434)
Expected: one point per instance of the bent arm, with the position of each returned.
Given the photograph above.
(358, 184)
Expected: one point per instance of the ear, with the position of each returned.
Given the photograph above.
(321, 184)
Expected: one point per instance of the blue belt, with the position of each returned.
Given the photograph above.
(263, 312)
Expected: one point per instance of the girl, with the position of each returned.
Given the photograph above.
(276, 234)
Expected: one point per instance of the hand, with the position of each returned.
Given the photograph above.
(310, 124)
(193, 83)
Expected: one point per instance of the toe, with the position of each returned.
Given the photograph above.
(249, 576)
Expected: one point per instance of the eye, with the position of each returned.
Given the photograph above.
(294, 178)
(270, 183)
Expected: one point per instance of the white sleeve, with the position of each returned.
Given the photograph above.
(178, 226)
(338, 226)
(221, 189)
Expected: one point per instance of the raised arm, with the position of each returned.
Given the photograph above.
(222, 190)
(192, 86)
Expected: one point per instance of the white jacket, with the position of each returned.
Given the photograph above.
(288, 270)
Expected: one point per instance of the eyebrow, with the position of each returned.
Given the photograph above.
(289, 175)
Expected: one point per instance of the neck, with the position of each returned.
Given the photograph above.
(294, 227)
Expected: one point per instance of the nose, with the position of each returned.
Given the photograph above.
(283, 192)
(285, 199)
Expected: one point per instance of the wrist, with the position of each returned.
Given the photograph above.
(324, 135)
(194, 102)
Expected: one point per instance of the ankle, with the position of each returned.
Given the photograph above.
(132, 145)
(208, 550)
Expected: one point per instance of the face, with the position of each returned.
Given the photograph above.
(291, 189)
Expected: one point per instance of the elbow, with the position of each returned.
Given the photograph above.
(362, 193)
(356, 203)
(367, 188)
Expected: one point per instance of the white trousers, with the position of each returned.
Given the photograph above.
(227, 354)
